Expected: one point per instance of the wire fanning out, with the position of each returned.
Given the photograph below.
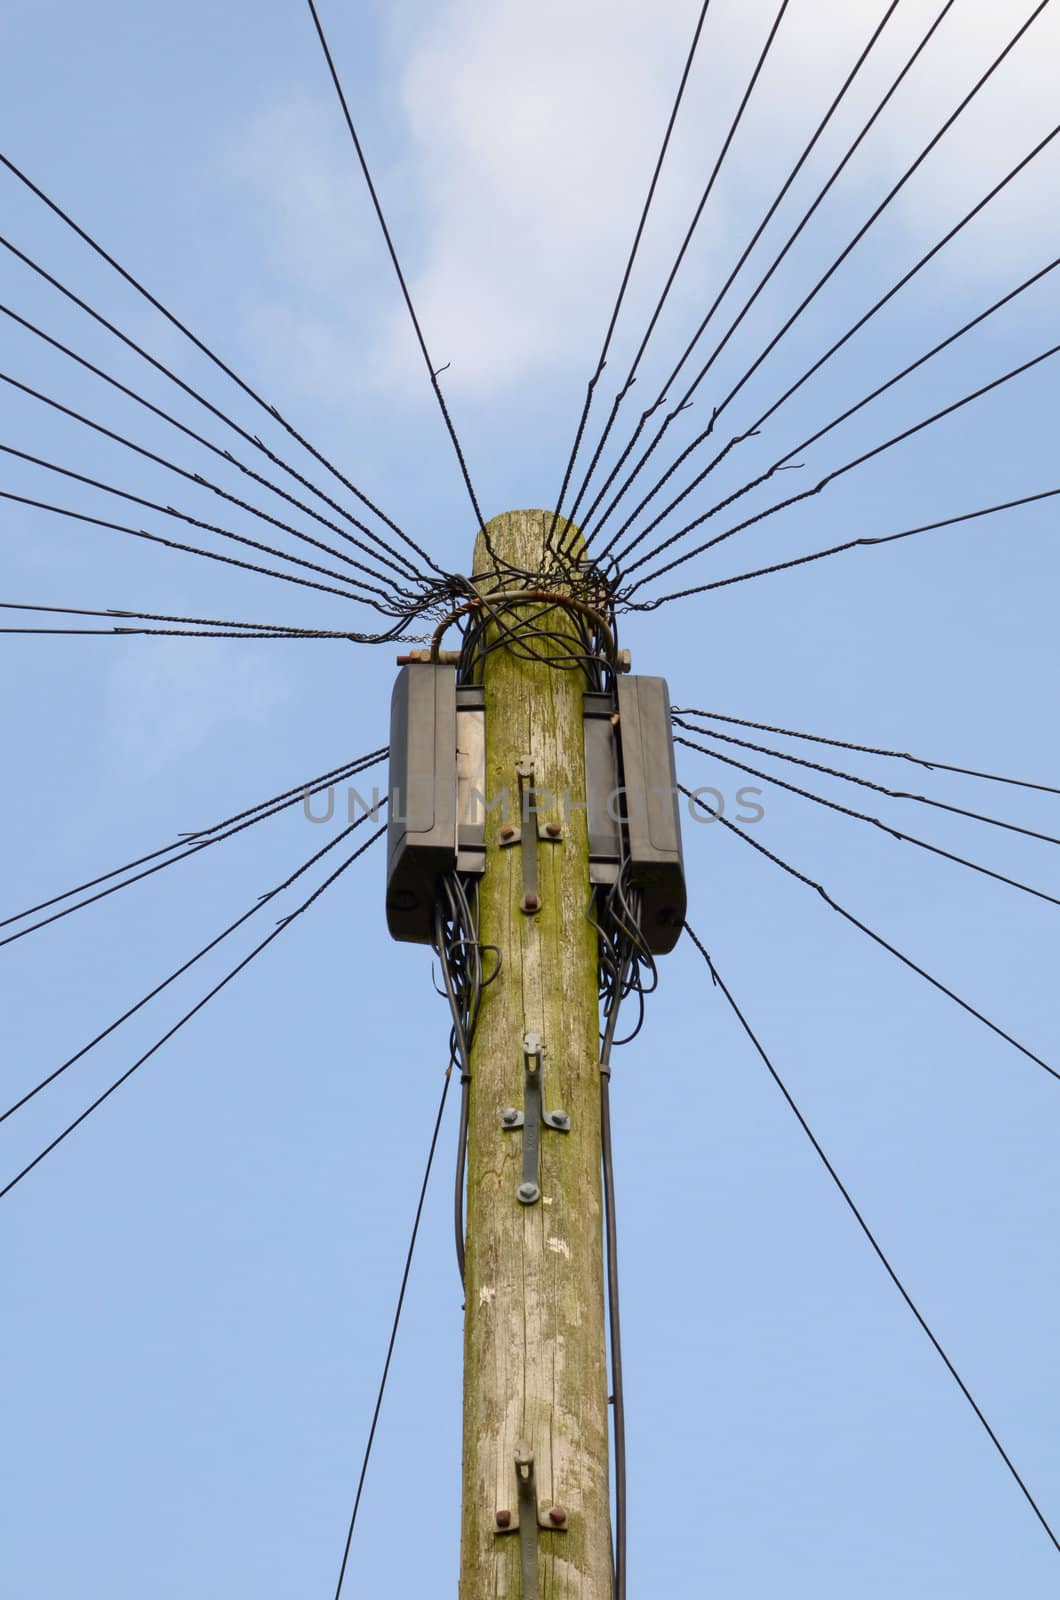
(407, 569)
(392, 252)
(530, 614)
(258, 905)
(787, 460)
(383, 604)
(660, 398)
(193, 633)
(189, 845)
(870, 1236)
(609, 334)
(202, 482)
(238, 629)
(229, 372)
(200, 399)
(686, 398)
(879, 210)
(862, 816)
(830, 477)
(866, 783)
(891, 195)
(285, 922)
(715, 170)
(852, 544)
(877, 938)
(866, 749)
(209, 555)
(393, 1333)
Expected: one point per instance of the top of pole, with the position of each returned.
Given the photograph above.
(524, 545)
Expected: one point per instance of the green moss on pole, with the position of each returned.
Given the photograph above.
(535, 1367)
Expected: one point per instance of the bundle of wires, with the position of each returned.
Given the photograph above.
(459, 952)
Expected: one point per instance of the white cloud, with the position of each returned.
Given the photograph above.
(528, 139)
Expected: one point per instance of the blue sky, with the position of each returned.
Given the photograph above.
(201, 1279)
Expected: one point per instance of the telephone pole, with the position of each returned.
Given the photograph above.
(536, 1520)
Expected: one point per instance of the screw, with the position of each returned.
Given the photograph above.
(561, 1119)
(507, 832)
(509, 1116)
(557, 1516)
(528, 1193)
(504, 1519)
(553, 829)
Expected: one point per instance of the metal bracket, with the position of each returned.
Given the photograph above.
(527, 1519)
(531, 901)
(531, 1118)
(527, 1484)
(529, 835)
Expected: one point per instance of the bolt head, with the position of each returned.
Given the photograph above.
(561, 1119)
(557, 1516)
(507, 832)
(528, 1193)
(531, 902)
(509, 1116)
(504, 1519)
(553, 829)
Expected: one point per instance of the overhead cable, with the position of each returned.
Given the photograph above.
(602, 358)
(867, 783)
(859, 235)
(808, 149)
(890, 196)
(871, 1237)
(755, 427)
(393, 1334)
(392, 252)
(198, 833)
(188, 389)
(406, 570)
(202, 482)
(229, 372)
(208, 555)
(829, 477)
(190, 845)
(863, 816)
(877, 938)
(839, 549)
(196, 627)
(258, 948)
(868, 749)
(631, 375)
(210, 527)
(158, 616)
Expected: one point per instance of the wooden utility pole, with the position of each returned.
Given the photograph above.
(535, 1381)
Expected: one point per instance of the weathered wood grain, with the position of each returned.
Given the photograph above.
(535, 1368)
